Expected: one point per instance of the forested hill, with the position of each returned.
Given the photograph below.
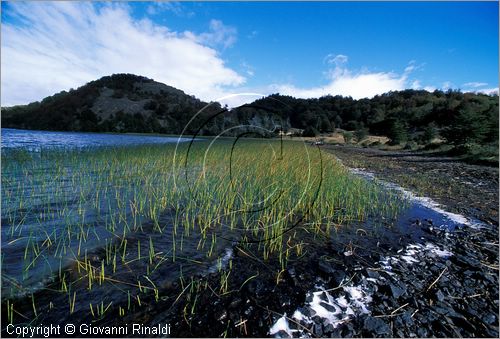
(130, 103)
(409, 115)
(116, 103)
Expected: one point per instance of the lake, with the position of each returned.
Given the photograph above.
(37, 140)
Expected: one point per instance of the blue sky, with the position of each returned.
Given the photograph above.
(212, 50)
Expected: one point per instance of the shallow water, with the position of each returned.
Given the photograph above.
(29, 226)
(37, 140)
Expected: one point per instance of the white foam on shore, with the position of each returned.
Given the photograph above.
(423, 201)
(222, 264)
(352, 300)
(282, 325)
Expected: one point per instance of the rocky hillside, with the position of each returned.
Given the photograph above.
(127, 103)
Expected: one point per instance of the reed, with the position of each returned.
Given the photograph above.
(155, 206)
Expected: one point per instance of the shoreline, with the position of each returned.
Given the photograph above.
(464, 188)
(410, 280)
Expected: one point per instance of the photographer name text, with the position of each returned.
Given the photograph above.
(87, 330)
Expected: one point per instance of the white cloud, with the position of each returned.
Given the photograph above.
(488, 91)
(447, 85)
(363, 84)
(63, 45)
(475, 84)
(337, 60)
(158, 7)
(413, 66)
(416, 84)
(219, 35)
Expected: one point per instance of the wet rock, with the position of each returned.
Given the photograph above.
(326, 267)
(335, 333)
(489, 318)
(407, 319)
(422, 332)
(235, 303)
(376, 326)
(439, 295)
(318, 330)
(348, 331)
(281, 334)
(397, 291)
(338, 277)
(305, 311)
(328, 307)
(373, 274)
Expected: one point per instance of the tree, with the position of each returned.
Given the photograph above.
(310, 132)
(361, 132)
(467, 127)
(430, 132)
(397, 132)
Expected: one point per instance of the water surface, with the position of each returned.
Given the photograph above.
(37, 140)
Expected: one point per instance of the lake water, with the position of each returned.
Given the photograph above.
(36, 140)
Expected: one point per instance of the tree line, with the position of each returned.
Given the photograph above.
(467, 121)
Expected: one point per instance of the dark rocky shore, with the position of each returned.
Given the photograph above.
(469, 189)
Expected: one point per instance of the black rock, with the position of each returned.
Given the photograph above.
(249, 310)
(373, 274)
(417, 284)
(397, 291)
(318, 330)
(376, 326)
(407, 319)
(326, 267)
(281, 334)
(422, 332)
(323, 296)
(489, 318)
(335, 333)
(439, 295)
(235, 303)
(348, 331)
(328, 307)
(328, 329)
(338, 276)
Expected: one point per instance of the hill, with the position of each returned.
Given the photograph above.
(129, 103)
(116, 103)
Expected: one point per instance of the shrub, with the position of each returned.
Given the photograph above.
(361, 133)
(347, 137)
